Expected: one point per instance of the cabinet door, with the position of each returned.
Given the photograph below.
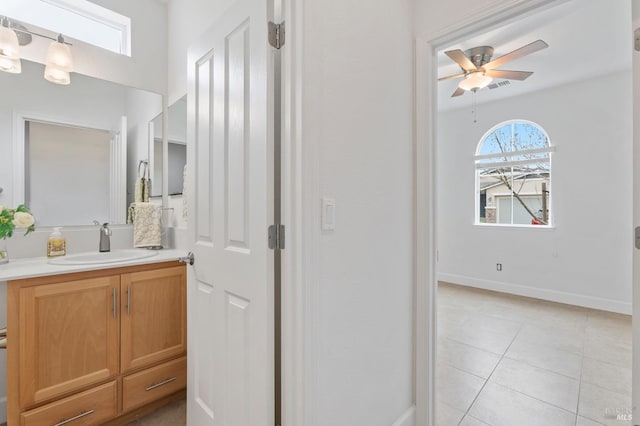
(68, 337)
(154, 317)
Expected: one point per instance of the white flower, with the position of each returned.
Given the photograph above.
(1, 208)
(23, 220)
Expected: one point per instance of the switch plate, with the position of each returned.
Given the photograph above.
(328, 214)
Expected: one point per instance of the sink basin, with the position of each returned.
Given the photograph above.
(97, 258)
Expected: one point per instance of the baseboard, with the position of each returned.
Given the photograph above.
(408, 418)
(540, 293)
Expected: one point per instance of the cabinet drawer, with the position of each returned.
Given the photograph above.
(90, 407)
(148, 385)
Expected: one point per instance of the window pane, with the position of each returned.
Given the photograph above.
(520, 214)
(512, 137)
(496, 185)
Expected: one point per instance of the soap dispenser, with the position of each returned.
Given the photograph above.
(56, 245)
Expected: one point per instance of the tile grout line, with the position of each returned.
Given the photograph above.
(491, 374)
(581, 370)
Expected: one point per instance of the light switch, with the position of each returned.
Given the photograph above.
(328, 214)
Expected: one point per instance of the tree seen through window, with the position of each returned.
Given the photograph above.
(513, 175)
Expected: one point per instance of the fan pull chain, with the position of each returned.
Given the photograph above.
(474, 106)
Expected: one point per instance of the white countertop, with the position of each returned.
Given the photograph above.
(39, 266)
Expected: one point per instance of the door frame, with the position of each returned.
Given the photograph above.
(425, 186)
(294, 205)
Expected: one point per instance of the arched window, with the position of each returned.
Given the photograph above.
(513, 175)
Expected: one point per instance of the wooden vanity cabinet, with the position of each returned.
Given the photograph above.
(75, 340)
(154, 317)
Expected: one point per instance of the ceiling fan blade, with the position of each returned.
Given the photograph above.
(458, 92)
(451, 77)
(461, 59)
(518, 53)
(509, 75)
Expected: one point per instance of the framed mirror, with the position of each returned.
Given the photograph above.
(74, 149)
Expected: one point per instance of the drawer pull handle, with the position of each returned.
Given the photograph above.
(157, 385)
(79, 416)
(114, 303)
(129, 300)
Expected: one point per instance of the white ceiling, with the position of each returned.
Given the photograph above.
(586, 38)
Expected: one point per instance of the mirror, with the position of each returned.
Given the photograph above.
(176, 149)
(51, 160)
(176, 158)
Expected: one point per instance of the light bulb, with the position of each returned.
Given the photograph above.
(475, 80)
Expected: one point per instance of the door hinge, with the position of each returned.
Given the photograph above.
(276, 237)
(276, 35)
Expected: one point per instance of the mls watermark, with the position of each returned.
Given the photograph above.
(623, 414)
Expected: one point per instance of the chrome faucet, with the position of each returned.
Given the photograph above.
(105, 234)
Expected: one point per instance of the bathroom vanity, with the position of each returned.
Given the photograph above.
(95, 346)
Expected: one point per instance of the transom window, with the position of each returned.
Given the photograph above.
(513, 175)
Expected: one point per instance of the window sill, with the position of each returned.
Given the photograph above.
(494, 226)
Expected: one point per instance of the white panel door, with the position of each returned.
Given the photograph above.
(230, 192)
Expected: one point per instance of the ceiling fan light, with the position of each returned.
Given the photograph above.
(475, 81)
(9, 47)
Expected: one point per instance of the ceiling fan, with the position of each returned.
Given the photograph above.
(479, 70)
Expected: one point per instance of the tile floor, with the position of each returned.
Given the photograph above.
(174, 414)
(510, 360)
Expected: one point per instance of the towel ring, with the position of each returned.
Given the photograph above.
(145, 170)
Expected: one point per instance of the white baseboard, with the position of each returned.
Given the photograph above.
(540, 293)
(408, 418)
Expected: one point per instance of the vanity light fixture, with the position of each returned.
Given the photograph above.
(9, 49)
(58, 64)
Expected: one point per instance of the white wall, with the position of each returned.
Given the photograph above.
(585, 259)
(357, 134)
(435, 19)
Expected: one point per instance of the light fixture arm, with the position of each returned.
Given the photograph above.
(10, 24)
(59, 60)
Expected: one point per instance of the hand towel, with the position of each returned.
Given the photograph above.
(141, 192)
(143, 189)
(147, 225)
